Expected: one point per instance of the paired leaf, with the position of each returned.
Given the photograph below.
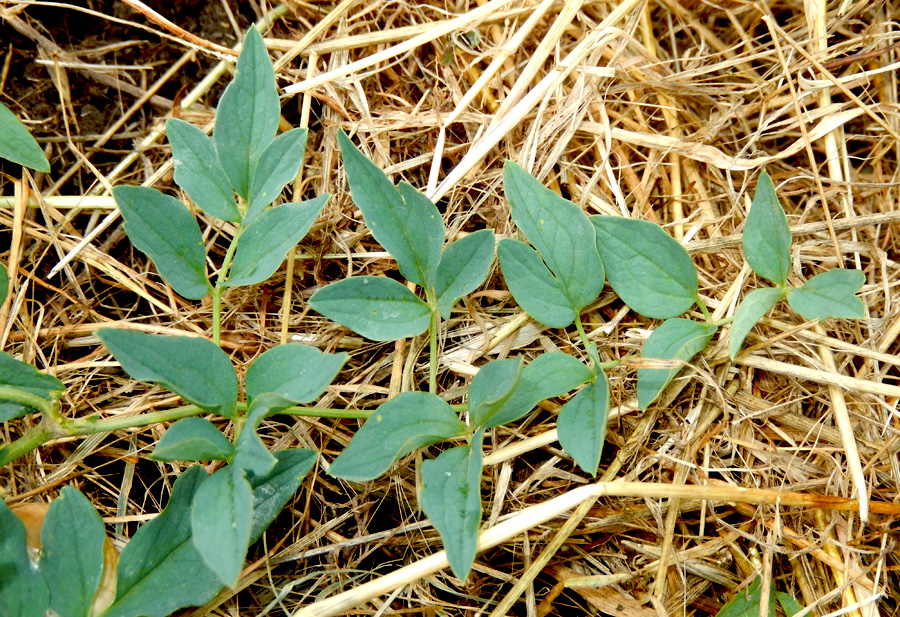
(376, 307)
(403, 221)
(72, 558)
(548, 375)
(278, 164)
(273, 490)
(22, 376)
(757, 303)
(159, 570)
(559, 230)
(492, 387)
(409, 421)
(194, 368)
(165, 230)
(451, 497)
(23, 592)
(18, 145)
(767, 237)
(198, 172)
(248, 114)
(221, 516)
(296, 372)
(830, 294)
(264, 244)
(193, 439)
(675, 339)
(582, 424)
(533, 286)
(646, 267)
(464, 265)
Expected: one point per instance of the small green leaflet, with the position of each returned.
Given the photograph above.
(492, 387)
(376, 307)
(18, 145)
(248, 114)
(272, 491)
(22, 376)
(296, 372)
(165, 230)
(409, 421)
(23, 592)
(582, 424)
(252, 454)
(675, 339)
(193, 439)
(746, 602)
(198, 172)
(194, 368)
(451, 497)
(72, 557)
(464, 266)
(767, 237)
(830, 294)
(757, 303)
(646, 267)
(534, 287)
(265, 243)
(278, 164)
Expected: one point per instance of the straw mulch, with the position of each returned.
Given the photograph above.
(661, 110)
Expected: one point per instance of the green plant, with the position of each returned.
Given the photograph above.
(17, 144)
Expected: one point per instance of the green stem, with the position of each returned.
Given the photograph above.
(23, 397)
(705, 311)
(26, 443)
(219, 289)
(581, 332)
(432, 333)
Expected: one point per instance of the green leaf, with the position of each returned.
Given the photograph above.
(464, 265)
(159, 570)
(767, 237)
(198, 172)
(248, 114)
(295, 371)
(264, 244)
(72, 558)
(23, 592)
(193, 439)
(376, 307)
(272, 491)
(746, 603)
(221, 516)
(193, 368)
(23, 376)
(646, 267)
(252, 454)
(675, 339)
(4, 281)
(165, 230)
(582, 424)
(17, 144)
(830, 294)
(492, 387)
(533, 285)
(278, 164)
(409, 421)
(757, 303)
(561, 233)
(451, 497)
(548, 375)
(403, 221)
(788, 603)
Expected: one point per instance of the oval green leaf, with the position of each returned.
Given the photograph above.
(265, 243)
(272, 491)
(165, 230)
(646, 267)
(464, 266)
(757, 303)
(675, 339)
(767, 237)
(409, 421)
(561, 233)
(18, 145)
(534, 287)
(198, 172)
(830, 294)
(72, 557)
(403, 221)
(194, 368)
(221, 515)
(248, 114)
(23, 592)
(492, 387)
(278, 164)
(582, 424)
(378, 308)
(19, 375)
(451, 497)
(297, 372)
(193, 439)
